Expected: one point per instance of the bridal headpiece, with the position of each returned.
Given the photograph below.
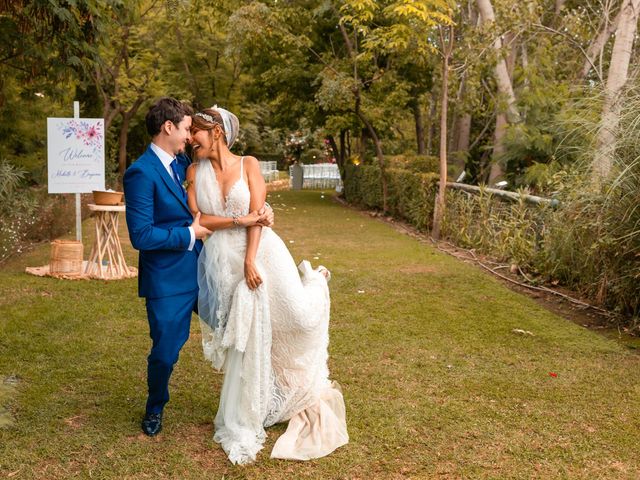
(231, 125)
(208, 118)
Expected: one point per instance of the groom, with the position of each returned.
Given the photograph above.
(169, 240)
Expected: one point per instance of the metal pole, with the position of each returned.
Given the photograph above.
(76, 114)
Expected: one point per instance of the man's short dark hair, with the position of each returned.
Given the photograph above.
(166, 108)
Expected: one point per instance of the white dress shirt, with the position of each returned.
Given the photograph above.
(166, 160)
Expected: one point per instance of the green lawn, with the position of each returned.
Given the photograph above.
(435, 382)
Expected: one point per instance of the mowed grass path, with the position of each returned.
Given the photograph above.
(436, 383)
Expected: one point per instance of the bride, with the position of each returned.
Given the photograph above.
(262, 323)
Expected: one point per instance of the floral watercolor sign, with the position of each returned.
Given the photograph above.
(75, 154)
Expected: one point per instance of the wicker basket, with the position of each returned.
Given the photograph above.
(107, 198)
(66, 258)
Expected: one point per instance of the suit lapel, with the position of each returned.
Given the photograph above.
(166, 178)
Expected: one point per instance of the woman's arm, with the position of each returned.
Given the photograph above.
(192, 202)
(258, 196)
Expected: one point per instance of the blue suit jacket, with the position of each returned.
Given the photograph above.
(158, 219)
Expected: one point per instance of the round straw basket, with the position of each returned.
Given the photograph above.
(66, 257)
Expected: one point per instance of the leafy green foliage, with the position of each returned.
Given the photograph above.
(590, 243)
(287, 66)
(508, 231)
(410, 195)
(17, 207)
(46, 42)
(415, 163)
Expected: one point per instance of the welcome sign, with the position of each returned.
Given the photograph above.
(75, 148)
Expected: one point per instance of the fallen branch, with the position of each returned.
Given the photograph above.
(505, 194)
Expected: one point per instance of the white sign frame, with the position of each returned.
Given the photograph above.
(75, 155)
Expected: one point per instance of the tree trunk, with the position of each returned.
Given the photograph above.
(362, 146)
(452, 132)
(417, 116)
(195, 90)
(462, 141)
(109, 115)
(363, 118)
(596, 47)
(498, 148)
(342, 153)
(452, 128)
(348, 144)
(461, 131)
(438, 212)
(124, 136)
(505, 88)
(616, 80)
(122, 147)
(379, 155)
(505, 91)
(336, 152)
(525, 67)
(431, 125)
(512, 54)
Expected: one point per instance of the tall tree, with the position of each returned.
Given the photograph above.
(356, 90)
(616, 80)
(446, 48)
(596, 47)
(128, 72)
(508, 114)
(389, 30)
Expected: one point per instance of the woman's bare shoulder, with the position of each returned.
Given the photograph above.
(191, 170)
(251, 162)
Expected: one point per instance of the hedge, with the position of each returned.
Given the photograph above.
(410, 194)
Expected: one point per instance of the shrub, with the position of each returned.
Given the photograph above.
(312, 155)
(509, 231)
(410, 194)
(17, 206)
(415, 163)
(591, 243)
(30, 214)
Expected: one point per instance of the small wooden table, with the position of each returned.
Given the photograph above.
(106, 260)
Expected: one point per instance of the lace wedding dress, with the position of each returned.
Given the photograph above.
(270, 342)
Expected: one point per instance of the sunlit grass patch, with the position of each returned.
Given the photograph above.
(436, 381)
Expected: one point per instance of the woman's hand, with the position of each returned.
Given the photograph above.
(266, 216)
(254, 218)
(249, 220)
(251, 275)
(263, 217)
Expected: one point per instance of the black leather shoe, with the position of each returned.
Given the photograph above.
(152, 424)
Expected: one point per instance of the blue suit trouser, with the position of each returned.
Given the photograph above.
(169, 324)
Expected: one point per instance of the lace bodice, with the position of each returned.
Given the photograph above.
(209, 193)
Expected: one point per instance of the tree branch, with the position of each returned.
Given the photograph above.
(568, 37)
